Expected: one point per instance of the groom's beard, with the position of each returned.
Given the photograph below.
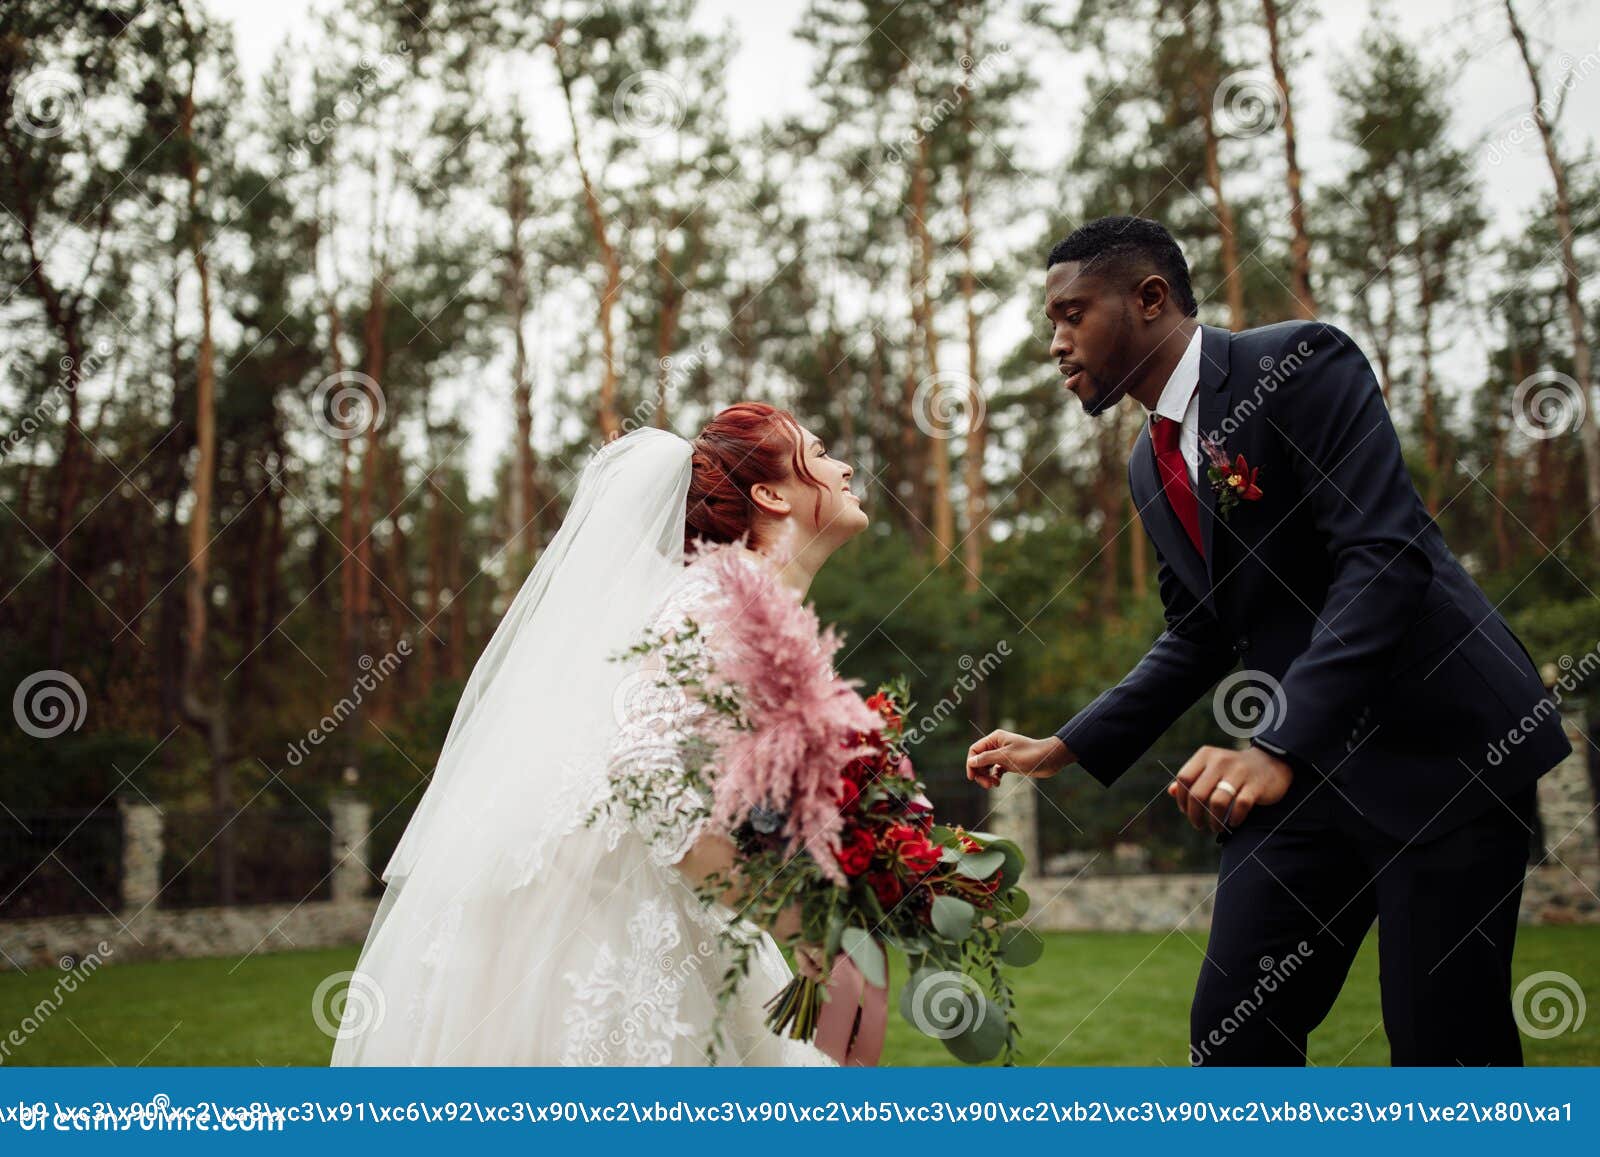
(1100, 396)
(1105, 392)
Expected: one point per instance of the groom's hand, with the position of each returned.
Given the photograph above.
(1003, 751)
(1218, 786)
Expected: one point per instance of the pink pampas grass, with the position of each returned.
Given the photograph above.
(804, 720)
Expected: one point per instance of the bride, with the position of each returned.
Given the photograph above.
(511, 930)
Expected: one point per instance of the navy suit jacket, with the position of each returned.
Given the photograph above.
(1400, 683)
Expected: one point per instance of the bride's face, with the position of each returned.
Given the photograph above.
(834, 520)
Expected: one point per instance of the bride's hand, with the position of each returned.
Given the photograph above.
(810, 961)
(1003, 751)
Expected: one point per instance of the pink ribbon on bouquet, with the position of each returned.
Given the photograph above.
(854, 1017)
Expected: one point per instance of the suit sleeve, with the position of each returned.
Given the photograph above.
(1189, 656)
(1347, 463)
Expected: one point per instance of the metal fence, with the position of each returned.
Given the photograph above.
(58, 863)
(281, 856)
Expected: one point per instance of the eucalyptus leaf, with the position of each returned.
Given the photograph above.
(865, 950)
(1015, 860)
(952, 917)
(836, 926)
(980, 865)
(1013, 905)
(1020, 947)
(983, 1039)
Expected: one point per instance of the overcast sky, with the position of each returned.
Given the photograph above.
(771, 71)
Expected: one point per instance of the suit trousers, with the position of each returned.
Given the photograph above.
(1300, 885)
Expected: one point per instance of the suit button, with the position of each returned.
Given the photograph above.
(1241, 645)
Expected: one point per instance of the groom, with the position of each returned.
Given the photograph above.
(1392, 773)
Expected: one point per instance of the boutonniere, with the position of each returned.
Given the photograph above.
(1232, 482)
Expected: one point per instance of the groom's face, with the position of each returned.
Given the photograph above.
(1092, 335)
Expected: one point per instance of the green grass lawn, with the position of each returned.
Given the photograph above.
(1094, 999)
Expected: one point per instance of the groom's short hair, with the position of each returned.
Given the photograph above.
(1128, 245)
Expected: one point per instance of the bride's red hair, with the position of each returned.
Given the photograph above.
(747, 443)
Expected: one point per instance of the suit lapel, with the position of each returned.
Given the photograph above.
(1214, 402)
(1151, 501)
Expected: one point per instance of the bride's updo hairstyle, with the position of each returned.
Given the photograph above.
(748, 443)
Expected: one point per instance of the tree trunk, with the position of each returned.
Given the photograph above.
(1109, 491)
(937, 444)
(1572, 288)
(610, 424)
(977, 415)
(667, 334)
(524, 498)
(373, 359)
(1205, 92)
(1431, 434)
(1299, 239)
(207, 718)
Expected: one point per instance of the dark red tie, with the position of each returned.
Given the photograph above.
(1174, 473)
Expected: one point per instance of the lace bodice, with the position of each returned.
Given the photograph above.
(655, 717)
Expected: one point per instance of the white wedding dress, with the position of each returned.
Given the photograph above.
(512, 931)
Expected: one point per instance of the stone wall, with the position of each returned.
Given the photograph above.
(158, 934)
(1552, 895)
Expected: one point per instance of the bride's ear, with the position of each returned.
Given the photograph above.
(768, 499)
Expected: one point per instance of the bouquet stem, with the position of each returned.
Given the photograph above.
(795, 1010)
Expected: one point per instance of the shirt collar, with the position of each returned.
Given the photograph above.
(1174, 400)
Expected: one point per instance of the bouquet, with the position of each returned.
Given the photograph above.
(824, 807)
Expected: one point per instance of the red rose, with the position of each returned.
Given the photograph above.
(855, 853)
(908, 846)
(887, 887)
(884, 706)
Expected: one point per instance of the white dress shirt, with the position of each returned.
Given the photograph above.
(1180, 401)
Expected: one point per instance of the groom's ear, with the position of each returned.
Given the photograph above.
(768, 499)
(1152, 294)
